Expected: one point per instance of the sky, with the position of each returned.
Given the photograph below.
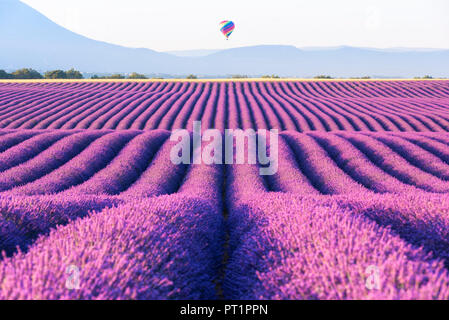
(166, 25)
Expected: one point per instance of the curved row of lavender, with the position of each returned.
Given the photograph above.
(137, 163)
(162, 248)
(298, 106)
(286, 246)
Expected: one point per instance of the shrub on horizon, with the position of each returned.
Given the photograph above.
(115, 76)
(136, 75)
(192, 76)
(273, 76)
(239, 76)
(322, 77)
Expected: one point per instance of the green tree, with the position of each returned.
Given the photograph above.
(273, 76)
(425, 77)
(192, 76)
(73, 74)
(26, 73)
(321, 76)
(136, 75)
(55, 74)
(5, 75)
(115, 76)
(239, 76)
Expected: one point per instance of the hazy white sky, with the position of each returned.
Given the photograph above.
(193, 24)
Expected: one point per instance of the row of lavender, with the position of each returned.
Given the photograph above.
(167, 247)
(296, 106)
(137, 163)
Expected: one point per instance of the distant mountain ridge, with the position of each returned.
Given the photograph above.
(193, 53)
(29, 39)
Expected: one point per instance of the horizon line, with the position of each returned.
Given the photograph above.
(218, 80)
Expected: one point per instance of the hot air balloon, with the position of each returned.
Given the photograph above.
(226, 27)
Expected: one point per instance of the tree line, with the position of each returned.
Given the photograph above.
(27, 73)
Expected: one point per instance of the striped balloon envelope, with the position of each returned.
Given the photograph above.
(226, 28)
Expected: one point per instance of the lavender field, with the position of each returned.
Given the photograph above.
(358, 208)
